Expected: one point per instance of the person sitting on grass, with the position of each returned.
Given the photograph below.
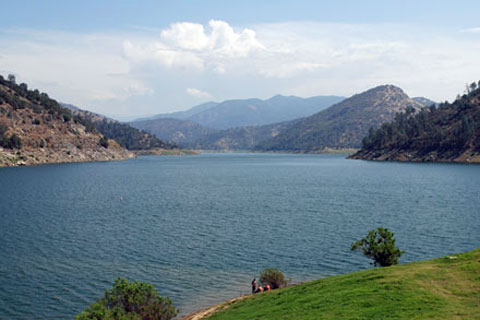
(259, 289)
(266, 287)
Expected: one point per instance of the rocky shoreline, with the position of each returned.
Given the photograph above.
(67, 154)
(468, 156)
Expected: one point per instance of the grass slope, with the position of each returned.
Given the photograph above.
(443, 288)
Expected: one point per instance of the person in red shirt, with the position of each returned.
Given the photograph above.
(266, 287)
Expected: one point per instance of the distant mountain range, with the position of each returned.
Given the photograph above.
(252, 112)
(186, 127)
(342, 125)
(449, 132)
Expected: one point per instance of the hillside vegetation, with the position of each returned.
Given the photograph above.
(450, 132)
(124, 134)
(443, 288)
(35, 129)
(342, 125)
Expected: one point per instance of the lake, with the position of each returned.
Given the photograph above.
(201, 227)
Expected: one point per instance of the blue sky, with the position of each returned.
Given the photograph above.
(129, 58)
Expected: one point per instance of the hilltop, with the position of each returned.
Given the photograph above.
(442, 288)
(449, 132)
(35, 129)
(344, 124)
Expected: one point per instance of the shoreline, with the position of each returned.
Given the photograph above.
(210, 310)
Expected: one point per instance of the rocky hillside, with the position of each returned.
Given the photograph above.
(342, 125)
(425, 101)
(450, 132)
(35, 129)
(125, 135)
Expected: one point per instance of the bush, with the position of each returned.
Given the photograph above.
(379, 245)
(15, 142)
(103, 142)
(273, 277)
(130, 300)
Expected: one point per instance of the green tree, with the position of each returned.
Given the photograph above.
(273, 277)
(379, 245)
(130, 301)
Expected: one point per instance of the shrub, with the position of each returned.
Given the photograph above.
(273, 277)
(130, 300)
(15, 142)
(379, 245)
(103, 142)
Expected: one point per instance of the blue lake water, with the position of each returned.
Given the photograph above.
(201, 227)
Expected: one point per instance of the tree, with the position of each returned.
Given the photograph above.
(14, 142)
(273, 277)
(132, 301)
(473, 86)
(11, 78)
(379, 245)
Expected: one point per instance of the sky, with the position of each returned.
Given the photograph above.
(128, 59)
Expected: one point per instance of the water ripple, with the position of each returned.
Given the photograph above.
(199, 228)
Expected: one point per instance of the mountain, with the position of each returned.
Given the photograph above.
(35, 129)
(255, 112)
(241, 138)
(425, 101)
(182, 115)
(181, 132)
(124, 134)
(450, 133)
(252, 112)
(342, 125)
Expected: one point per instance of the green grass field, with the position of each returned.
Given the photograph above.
(443, 288)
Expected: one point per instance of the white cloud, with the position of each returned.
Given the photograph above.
(188, 45)
(198, 93)
(145, 71)
(186, 35)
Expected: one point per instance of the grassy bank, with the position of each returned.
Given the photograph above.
(443, 288)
